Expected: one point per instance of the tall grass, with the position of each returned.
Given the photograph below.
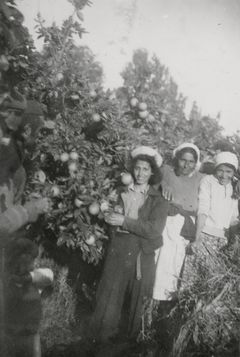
(59, 307)
(210, 308)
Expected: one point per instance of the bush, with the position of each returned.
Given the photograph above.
(210, 308)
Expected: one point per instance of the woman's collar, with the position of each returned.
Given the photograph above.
(139, 189)
(151, 190)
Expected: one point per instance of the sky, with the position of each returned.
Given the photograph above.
(198, 40)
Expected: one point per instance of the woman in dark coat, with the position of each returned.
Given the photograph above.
(130, 263)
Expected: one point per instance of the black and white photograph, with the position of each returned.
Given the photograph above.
(119, 178)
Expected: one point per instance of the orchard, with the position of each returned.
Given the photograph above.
(80, 154)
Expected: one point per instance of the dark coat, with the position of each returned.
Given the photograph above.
(120, 275)
(151, 221)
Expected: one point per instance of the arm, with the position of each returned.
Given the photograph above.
(153, 227)
(17, 216)
(19, 182)
(204, 198)
(12, 219)
(201, 220)
(235, 215)
(166, 189)
(40, 277)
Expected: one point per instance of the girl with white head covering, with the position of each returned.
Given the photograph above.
(135, 235)
(217, 208)
(179, 185)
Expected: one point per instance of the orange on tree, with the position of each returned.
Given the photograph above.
(96, 117)
(143, 114)
(91, 240)
(133, 102)
(78, 203)
(72, 166)
(73, 155)
(55, 191)
(94, 208)
(126, 178)
(59, 76)
(150, 118)
(142, 106)
(64, 157)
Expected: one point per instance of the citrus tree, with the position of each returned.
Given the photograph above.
(87, 132)
(83, 146)
(156, 105)
(154, 100)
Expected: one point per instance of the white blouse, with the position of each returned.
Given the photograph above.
(216, 202)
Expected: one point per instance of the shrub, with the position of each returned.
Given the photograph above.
(210, 308)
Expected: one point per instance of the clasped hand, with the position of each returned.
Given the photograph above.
(114, 219)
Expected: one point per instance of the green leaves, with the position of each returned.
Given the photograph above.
(80, 4)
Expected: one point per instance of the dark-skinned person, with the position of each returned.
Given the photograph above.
(180, 185)
(135, 235)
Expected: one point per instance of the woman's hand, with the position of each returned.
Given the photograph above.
(114, 219)
(193, 247)
(167, 193)
(36, 207)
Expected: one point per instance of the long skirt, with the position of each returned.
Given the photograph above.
(119, 280)
(169, 259)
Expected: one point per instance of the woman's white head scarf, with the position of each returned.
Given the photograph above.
(226, 157)
(190, 146)
(147, 150)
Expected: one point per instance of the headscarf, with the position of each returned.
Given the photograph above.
(190, 146)
(226, 157)
(147, 150)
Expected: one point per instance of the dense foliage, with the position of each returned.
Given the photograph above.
(82, 148)
(88, 131)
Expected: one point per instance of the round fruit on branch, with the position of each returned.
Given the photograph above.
(142, 106)
(133, 102)
(126, 178)
(94, 209)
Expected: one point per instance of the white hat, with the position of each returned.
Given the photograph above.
(191, 146)
(147, 150)
(226, 157)
(186, 146)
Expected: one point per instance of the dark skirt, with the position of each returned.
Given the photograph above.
(119, 279)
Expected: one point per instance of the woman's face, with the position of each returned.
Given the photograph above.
(224, 174)
(142, 172)
(186, 164)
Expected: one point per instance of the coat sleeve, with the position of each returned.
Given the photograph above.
(235, 213)
(19, 182)
(151, 228)
(12, 219)
(204, 196)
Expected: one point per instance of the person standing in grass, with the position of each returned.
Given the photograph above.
(217, 208)
(180, 184)
(136, 233)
